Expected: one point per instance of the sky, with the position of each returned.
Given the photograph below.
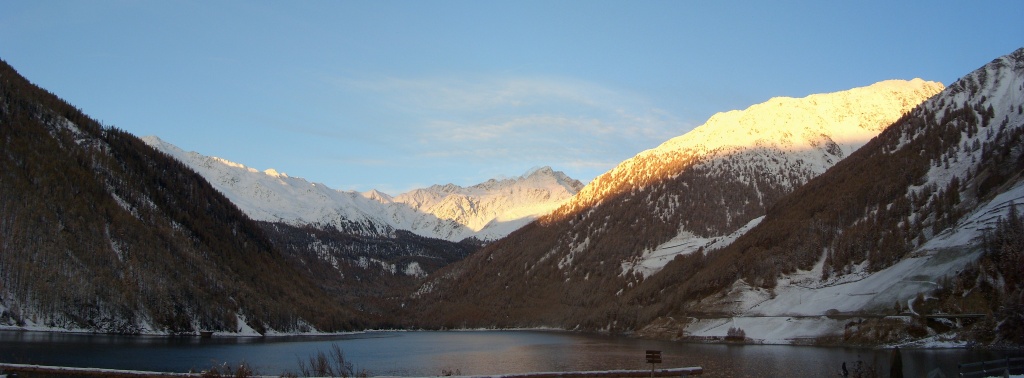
(397, 95)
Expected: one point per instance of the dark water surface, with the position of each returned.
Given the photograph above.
(469, 352)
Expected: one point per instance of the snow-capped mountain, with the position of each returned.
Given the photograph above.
(899, 228)
(783, 137)
(492, 209)
(691, 193)
(486, 211)
(769, 149)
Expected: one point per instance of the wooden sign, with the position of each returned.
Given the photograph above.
(654, 356)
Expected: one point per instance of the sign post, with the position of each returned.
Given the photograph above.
(653, 357)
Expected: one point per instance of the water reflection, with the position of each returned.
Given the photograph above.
(471, 352)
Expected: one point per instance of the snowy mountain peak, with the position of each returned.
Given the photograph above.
(494, 208)
(701, 189)
(538, 177)
(378, 196)
(540, 172)
(274, 173)
(549, 175)
(850, 118)
(808, 134)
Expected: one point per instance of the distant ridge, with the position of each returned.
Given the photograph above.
(485, 211)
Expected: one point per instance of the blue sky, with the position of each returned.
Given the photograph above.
(396, 95)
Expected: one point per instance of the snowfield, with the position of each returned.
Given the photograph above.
(652, 261)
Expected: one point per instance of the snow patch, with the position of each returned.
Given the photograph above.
(414, 270)
(652, 261)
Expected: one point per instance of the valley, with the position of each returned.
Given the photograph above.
(846, 217)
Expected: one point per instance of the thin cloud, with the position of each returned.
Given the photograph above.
(481, 93)
(518, 121)
(512, 128)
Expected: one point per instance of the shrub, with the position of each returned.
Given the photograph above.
(735, 333)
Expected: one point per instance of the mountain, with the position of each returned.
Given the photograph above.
(486, 211)
(369, 274)
(101, 233)
(493, 209)
(922, 221)
(693, 193)
(754, 156)
(368, 249)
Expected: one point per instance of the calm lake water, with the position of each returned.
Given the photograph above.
(470, 352)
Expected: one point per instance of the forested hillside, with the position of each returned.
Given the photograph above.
(100, 232)
(366, 273)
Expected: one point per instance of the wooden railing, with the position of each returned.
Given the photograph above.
(677, 372)
(992, 368)
(91, 372)
(27, 370)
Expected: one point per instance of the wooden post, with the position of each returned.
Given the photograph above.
(653, 357)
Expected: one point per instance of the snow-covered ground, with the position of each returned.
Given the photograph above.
(145, 327)
(652, 261)
(245, 331)
(798, 304)
(801, 301)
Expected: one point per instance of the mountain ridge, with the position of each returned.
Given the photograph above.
(709, 140)
(485, 211)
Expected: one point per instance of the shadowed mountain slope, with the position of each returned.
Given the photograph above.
(100, 232)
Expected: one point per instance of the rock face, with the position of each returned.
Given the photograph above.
(695, 192)
(486, 211)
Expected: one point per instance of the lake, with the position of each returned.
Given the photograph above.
(469, 352)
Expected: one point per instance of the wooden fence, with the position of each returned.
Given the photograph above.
(28, 370)
(992, 368)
